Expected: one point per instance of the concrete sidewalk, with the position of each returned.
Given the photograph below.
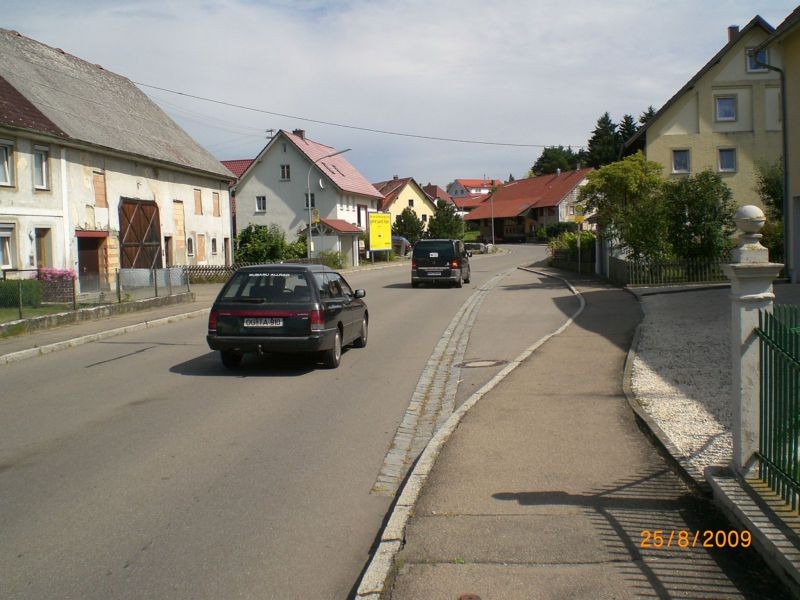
(548, 488)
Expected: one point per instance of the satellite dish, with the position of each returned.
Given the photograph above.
(321, 183)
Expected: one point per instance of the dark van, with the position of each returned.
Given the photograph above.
(434, 261)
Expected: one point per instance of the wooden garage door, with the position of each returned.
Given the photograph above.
(139, 232)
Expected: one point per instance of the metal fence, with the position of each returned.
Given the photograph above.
(625, 272)
(27, 293)
(568, 260)
(779, 443)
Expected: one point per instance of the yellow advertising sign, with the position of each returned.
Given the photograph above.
(380, 231)
(579, 218)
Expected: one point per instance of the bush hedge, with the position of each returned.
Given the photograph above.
(10, 292)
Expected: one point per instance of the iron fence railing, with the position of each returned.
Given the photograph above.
(653, 273)
(779, 441)
(27, 293)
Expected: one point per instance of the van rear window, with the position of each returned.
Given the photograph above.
(440, 249)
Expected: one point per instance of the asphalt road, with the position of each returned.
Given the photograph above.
(138, 467)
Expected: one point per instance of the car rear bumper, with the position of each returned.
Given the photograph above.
(449, 275)
(322, 340)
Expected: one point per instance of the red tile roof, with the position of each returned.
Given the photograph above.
(390, 190)
(437, 193)
(341, 226)
(479, 183)
(516, 197)
(17, 111)
(470, 201)
(237, 167)
(336, 168)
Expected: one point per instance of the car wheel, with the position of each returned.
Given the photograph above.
(361, 340)
(333, 357)
(469, 276)
(415, 284)
(230, 358)
(458, 281)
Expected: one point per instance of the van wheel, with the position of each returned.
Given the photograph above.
(333, 357)
(458, 281)
(469, 276)
(415, 284)
(230, 358)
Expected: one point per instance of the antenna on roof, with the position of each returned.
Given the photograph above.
(270, 133)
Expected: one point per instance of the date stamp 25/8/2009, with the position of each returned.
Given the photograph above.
(684, 538)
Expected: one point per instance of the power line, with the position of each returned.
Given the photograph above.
(356, 127)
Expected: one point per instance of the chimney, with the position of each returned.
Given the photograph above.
(395, 177)
(733, 31)
(301, 133)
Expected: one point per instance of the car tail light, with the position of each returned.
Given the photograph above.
(317, 320)
(212, 320)
(455, 264)
(413, 264)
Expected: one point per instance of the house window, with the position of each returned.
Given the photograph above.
(572, 210)
(213, 246)
(754, 58)
(189, 246)
(726, 162)
(313, 202)
(725, 108)
(198, 202)
(680, 161)
(99, 184)
(424, 218)
(285, 173)
(411, 202)
(6, 163)
(6, 246)
(41, 173)
(215, 204)
(261, 204)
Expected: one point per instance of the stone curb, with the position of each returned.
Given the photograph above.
(687, 469)
(79, 341)
(378, 574)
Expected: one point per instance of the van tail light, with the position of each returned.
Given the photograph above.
(212, 320)
(317, 320)
(413, 264)
(455, 264)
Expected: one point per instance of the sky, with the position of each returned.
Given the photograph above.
(519, 74)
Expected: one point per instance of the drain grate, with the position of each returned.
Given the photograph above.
(478, 364)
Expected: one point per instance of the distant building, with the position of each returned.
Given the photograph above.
(273, 188)
(400, 193)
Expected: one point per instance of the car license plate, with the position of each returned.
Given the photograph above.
(434, 273)
(263, 322)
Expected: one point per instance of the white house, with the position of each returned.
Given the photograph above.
(95, 177)
(275, 186)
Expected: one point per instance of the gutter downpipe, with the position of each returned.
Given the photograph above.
(788, 256)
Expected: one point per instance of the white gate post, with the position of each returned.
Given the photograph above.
(751, 275)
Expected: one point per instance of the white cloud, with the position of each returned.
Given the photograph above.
(515, 71)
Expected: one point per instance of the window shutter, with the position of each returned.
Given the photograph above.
(100, 199)
(215, 198)
(198, 203)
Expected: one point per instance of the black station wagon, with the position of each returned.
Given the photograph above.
(287, 308)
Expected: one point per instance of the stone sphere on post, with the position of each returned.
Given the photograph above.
(749, 218)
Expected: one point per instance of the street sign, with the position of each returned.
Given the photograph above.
(380, 231)
(315, 215)
(579, 218)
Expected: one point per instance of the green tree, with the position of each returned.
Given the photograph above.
(628, 198)
(769, 187)
(554, 158)
(700, 216)
(409, 225)
(262, 243)
(627, 129)
(645, 117)
(445, 223)
(604, 143)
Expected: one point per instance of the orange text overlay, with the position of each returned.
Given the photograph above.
(683, 538)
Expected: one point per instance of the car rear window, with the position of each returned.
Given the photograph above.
(268, 286)
(433, 250)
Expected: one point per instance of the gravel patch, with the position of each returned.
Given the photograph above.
(682, 375)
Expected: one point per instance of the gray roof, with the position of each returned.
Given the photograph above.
(92, 105)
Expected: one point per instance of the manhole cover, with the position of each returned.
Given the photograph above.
(477, 364)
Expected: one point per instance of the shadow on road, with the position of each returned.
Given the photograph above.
(268, 365)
